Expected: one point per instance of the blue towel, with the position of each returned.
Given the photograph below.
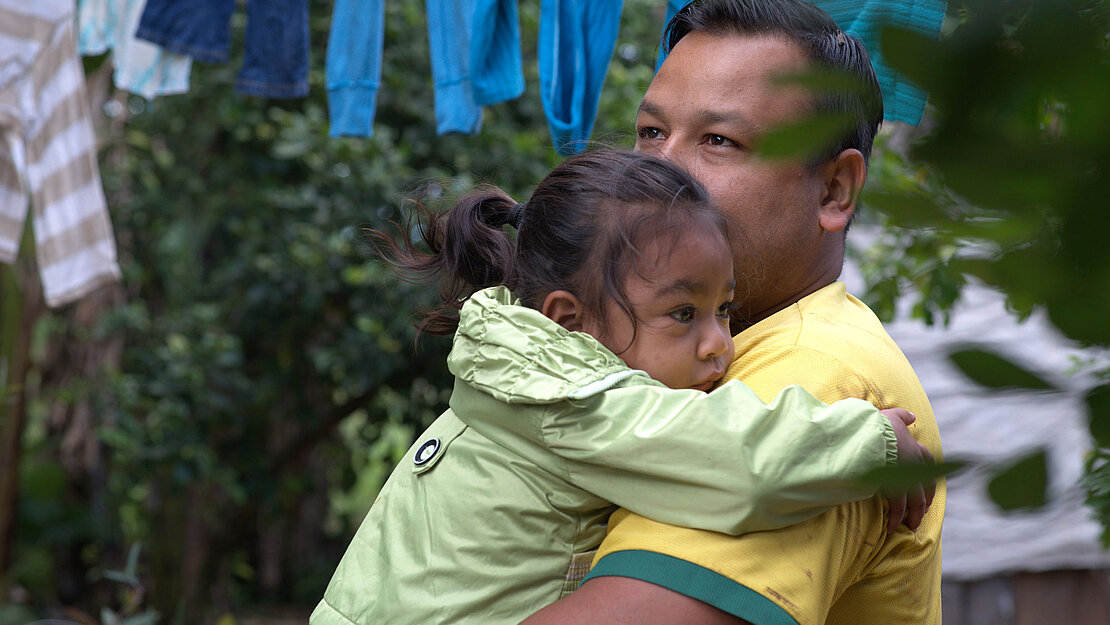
(576, 43)
(353, 69)
(902, 101)
(496, 71)
(449, 45)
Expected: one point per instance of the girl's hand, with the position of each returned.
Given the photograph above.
(908, 507)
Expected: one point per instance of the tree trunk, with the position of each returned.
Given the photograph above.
(20, 308)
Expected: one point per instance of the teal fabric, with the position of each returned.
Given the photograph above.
(693, 581)
(480, 520)
(576, 43)
(902, 100)
(353, 68)
(497, 72)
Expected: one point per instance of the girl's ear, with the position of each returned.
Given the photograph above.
(565, 309)
(844, 178)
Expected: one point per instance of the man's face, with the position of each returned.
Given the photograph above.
(707, 108)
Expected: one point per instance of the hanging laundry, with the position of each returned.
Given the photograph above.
(498, 75)
(576, 42)
(673, 7)
(275, 61)
(140, 66)
(449, 45)
(46, 137)
(353, 68)
(902, 101)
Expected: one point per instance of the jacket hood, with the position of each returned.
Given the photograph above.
(517, 355)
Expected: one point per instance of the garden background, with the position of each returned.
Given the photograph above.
(199, 442)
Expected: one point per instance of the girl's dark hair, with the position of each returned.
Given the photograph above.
(582, 231)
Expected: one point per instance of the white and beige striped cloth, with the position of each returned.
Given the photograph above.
(48, 152)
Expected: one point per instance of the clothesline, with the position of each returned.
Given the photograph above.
(475, 48)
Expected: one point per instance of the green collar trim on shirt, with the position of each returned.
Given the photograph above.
(693, 581)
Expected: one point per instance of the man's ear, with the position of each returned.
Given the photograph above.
(565, 309)
(844, 178)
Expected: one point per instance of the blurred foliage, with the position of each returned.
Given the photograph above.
(909, 260)
(904, 476)
(269, 369)
(993, 371)
(1021, 146)
(1007, 188)
(269, 363)
(1097, 468)
(1022, 484)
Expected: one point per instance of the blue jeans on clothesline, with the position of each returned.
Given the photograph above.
(275, 62)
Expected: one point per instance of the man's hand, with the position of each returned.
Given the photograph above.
(908, 507)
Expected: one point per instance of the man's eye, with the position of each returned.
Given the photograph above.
(724, 310)
(648, 132)
(719, 140)
(684, 314)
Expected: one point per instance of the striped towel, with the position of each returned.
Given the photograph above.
(48, 146)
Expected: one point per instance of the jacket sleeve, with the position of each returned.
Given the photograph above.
(722, 461)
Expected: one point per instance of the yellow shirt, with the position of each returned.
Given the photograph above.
(839, 567)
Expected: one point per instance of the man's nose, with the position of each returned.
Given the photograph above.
(680, 155)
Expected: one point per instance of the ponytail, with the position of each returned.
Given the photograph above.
(468, 250)
(581, 231)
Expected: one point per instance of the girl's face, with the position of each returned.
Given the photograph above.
(681, 297)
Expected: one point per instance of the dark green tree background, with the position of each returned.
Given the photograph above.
(262, 376)
(267, 377)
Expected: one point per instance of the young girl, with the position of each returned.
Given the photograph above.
(621, 270)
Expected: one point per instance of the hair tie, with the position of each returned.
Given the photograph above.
(516, 215)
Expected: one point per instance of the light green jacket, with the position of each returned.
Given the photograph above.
(469, 530)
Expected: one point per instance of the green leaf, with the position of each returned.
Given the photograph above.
(149, 617)
(803, 139)
(918, 57)
(907, 209)
(1021, 485)
(1098, 414)
(993, 371)
(133, 559)
(824, 82)
(901, 476)
(122, 577)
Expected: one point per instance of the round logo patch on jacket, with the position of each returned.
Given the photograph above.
(427, 450)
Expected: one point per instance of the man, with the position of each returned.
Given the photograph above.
(711, 102)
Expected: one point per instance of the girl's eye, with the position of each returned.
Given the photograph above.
(684, 314)
(723, 311)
